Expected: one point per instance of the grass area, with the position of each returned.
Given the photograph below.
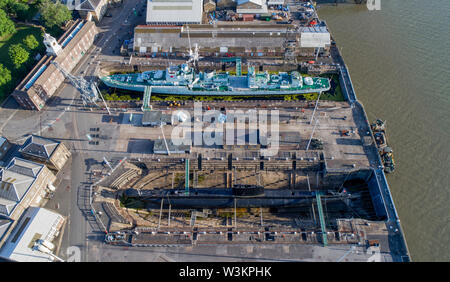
(18, 74)
(118, 97)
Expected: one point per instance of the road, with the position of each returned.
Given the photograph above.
(65, 119)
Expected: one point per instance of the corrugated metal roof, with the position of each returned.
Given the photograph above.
(174, 11)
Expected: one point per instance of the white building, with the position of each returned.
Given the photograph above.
(315, 37)
(174, 12)
(37, 226)
(275, 2)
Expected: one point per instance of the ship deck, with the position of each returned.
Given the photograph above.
(130, 82)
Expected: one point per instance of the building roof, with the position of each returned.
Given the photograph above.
(257, 2)
(39, 146)
(314, 29)
(15, 181)
(315, 37)
(226, 3)
(35, 224)
(261, 4)
(155, 117)
(4, 225)
(88, 5)
(174, 11)
(262, 35)
(2, 140)
(160, 147)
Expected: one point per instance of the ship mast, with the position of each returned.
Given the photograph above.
(193, 55)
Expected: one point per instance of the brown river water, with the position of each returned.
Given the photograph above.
(399, 61)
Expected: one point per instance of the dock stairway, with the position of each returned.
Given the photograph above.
(322, 220)
(146, 100)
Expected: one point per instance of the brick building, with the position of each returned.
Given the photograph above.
(42, 82)
(47, 151)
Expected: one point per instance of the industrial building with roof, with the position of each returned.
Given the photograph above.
(44, 79)
(23, 183)
(251, 7)
(315, 37)
(50, 152)
(174, 12)
(272, 40)
(32, 239)
(225, 4)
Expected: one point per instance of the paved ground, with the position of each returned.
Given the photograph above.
(233, 253)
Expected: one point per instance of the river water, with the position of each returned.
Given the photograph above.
(399, 61)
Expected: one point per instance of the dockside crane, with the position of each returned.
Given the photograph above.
(88, 90)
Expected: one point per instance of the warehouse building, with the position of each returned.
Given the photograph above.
(239, 39)
(246, 40)
(32, 239)
(174, 12)
(44, 79)
(315, 37)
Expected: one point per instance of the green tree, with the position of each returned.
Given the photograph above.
(31, 42)
(7, 5)
(5, 75)
(54, 14)
(22, 11)
(6, 24)
(18, 55)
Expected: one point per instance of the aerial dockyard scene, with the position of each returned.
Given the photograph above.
(191, 131)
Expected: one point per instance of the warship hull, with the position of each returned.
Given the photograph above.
(185, 91)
